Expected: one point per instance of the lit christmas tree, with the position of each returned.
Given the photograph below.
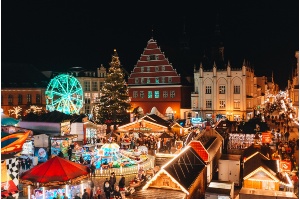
(114, 97)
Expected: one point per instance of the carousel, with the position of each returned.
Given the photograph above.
(54, 178)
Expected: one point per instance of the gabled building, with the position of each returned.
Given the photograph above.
(155, 84)
(262, 173)
(208, 145)
(185, 172)
(147, 124)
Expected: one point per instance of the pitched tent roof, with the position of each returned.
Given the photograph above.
(253, 162)
(158, 120)
(259, 163)
(200, 149)
(56, 171)
(249, 151)
(153, 122)
(182, 169)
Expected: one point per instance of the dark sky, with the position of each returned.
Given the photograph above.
(60, 34)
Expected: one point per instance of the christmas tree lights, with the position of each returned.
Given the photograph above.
(114, 96)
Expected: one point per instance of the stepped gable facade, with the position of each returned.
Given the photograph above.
(154, 83)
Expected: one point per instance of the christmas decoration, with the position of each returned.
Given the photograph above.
(114, 96)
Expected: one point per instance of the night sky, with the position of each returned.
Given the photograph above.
(54, 35)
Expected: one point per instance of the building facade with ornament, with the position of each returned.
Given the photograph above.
(91, 81)
(230, 92)
(293, 86)
(20, 94)
(155, 86)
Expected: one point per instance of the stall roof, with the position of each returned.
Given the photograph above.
(183, 169)
(220, 187)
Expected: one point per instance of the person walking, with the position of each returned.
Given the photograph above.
(122, 183)
(286, 136)
(98, 193)
(85, 195)
(77, 196)
(70, 153)
(65, 196)
(107, 189)
(117, 193)
(112, 180)
(93, 170)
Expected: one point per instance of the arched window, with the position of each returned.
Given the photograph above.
(10, 100)
(20, 99)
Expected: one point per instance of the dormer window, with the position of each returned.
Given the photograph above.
(156, 68)
(163, 68)
(152, 57)
(169, 79)
(136, 80)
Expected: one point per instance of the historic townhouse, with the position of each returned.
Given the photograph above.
(230, 92)
(155, 86)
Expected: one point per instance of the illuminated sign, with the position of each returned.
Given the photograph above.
(196, 120)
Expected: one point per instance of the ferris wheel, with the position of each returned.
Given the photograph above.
(64, 93)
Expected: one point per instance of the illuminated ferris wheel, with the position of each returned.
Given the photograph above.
(64, 93)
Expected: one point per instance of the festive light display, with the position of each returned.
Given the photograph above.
(64, 93)
(280, 103)
(114, 96)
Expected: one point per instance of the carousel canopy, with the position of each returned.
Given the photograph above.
(56, 171)
(110, 146)
(8, 121)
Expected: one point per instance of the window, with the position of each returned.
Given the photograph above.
(87, 86)
(236, 89)
(142, 69)
(163, 68)
(172, 94)
(156, 68)
(38, 98)
(20, 99)
(162, 79)
(142, 94)
(208, 104)
(152, 57)
(94, 86)
(142, 80)
(165, 94)
(222, 89)
(157, 80)
(169, 79)
(148, 80)
(87, 98)
(136, 80)
(156, 94)
(207, 89)
(149, 94)
(101, 84)
(222, 104)
(236, 104)
(148, 69)
(87, 109)
(135, 94)
(28, 98)
(10, 100)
